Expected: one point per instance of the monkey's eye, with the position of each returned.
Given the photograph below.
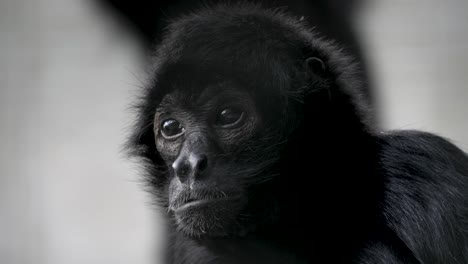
(229, 116)
(171, 128)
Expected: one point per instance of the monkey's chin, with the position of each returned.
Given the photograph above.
(208, 218)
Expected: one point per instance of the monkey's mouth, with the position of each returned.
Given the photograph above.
(193, 203)
(202, 214)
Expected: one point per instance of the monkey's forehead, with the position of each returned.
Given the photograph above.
(192, 76)
(226, 92)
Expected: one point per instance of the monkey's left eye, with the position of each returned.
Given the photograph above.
(171, 128)
(229, 116)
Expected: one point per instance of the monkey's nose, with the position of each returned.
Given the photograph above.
(191, 166)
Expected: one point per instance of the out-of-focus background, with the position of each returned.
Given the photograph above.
(68, 73)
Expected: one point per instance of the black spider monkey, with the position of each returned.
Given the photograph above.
(237, 183)
(256, 138)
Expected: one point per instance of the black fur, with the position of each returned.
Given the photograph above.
(331, 18)
(342, 191)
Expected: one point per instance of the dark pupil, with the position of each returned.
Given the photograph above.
(229, 116)
(171, 128)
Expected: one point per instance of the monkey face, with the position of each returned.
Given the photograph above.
(209, 141)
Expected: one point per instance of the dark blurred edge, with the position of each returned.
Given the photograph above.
(332, 18)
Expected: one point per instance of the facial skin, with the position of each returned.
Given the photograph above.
(205, 139)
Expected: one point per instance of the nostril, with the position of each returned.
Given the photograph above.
(181, 169)
(202, 163)
(184, 170)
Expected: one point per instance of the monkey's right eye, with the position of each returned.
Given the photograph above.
(171, 128)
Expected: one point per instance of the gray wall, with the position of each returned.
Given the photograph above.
(419, 58)
(67, 194)
(67, 75)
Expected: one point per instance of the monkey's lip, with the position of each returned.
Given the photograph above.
(193, 204)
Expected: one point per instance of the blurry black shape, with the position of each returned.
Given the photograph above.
(332, 18)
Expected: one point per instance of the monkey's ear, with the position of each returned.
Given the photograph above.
(315, 66)
(333, 92)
